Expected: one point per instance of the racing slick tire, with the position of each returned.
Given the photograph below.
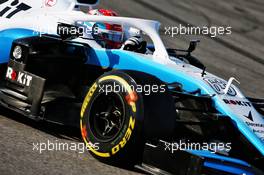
(114, 122)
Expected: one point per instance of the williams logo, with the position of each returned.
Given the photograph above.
(19, 77)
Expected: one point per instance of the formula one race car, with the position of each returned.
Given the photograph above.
(151, 106)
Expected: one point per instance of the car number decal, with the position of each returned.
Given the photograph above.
(219, 85)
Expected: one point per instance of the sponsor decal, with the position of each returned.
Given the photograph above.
(132, 97)
(87, 98)
(257, 128)
(249, 116)
(255, 124)
(258, 131)
(84, 131)
(50, 3)
(13, 8)
(219, 86)
(126, 138)
(237, 102)
(19, 77)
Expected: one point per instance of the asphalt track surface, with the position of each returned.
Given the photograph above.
(239, 54)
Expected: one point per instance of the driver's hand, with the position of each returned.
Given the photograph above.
(135, 44)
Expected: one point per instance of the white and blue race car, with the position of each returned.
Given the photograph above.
(135, 107)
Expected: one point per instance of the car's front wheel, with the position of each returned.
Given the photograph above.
(112, 118)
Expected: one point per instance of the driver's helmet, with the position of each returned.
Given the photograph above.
(110, 36)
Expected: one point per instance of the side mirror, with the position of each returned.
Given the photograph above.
(192, 46)
(87, 2)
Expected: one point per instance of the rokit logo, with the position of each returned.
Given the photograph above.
(19, 77)
(12, 7)
(237, 102)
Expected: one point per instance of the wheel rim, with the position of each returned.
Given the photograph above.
(107, 116)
